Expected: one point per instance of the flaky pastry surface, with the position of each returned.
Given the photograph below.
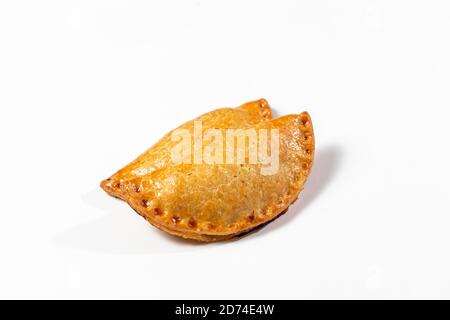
(219, 201)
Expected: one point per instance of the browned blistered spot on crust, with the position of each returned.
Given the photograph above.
(145, 203)
(211, 226)
(157, 211)
(265, 112)
(305, 166)
(192, 223)
(263, 103)
(304, 119)
(176, 219)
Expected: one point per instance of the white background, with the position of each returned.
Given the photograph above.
(86, 86)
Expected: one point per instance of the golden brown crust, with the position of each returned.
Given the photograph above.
(217, 202)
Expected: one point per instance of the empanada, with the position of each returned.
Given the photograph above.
(215, 190)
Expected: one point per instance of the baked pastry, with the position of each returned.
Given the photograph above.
(210, 199)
